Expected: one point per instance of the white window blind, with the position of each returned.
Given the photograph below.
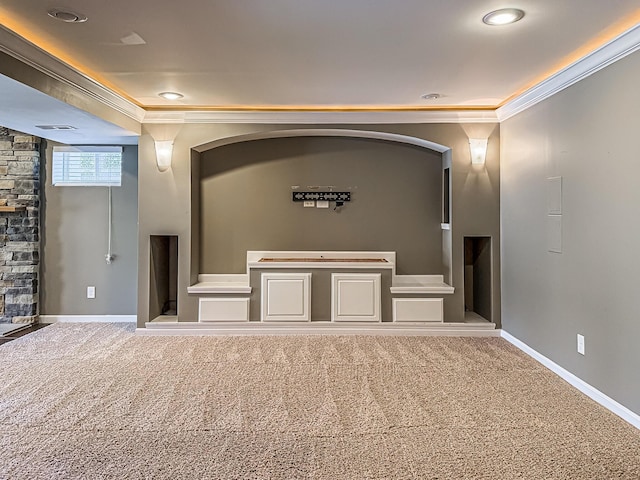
(87, 166)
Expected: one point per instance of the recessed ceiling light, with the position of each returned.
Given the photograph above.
(503, 16)
(430, 96)
(67, 16)
(171, 95)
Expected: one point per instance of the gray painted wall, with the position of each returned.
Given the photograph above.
(74, 244)
(246, 201)
(588, 134)
(165, 206)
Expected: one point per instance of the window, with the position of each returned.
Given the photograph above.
(87, 166)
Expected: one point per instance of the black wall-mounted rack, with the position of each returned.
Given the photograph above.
(327, 196)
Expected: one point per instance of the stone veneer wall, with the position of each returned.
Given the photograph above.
(19, 231)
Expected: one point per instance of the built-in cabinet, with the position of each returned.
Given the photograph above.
(321, 287)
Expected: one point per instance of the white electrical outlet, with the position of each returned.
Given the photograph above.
(580, 344)
(91, 292)
(309, 203)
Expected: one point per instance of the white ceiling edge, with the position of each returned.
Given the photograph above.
(621, 46)
(320, 117)
(618, 48)
(33, 56)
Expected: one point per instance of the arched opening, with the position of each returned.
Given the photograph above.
(326, 132)
(242, 186)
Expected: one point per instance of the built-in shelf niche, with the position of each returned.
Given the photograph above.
(163, 284)
(477, 276)
(446, 196)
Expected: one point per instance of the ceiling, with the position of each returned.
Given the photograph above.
(324, 55)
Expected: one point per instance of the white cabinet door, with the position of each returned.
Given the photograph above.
(418, 309)
(355, 297)
(223, 310)
(286, 297)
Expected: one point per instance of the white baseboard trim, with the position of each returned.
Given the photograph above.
(318, 328)
(88, 318)
(592, 392)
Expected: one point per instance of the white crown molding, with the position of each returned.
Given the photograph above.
(320, 117)
(33, 56)
(623, 45)
(592, 392)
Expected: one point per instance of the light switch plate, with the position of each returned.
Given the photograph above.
(91, 292)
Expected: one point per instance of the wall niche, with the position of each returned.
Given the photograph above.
(245, 200)
(163, 285)
(477, 278)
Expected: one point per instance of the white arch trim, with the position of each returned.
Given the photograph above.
(325, 132)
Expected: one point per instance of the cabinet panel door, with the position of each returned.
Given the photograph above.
(418, 309)
(224, 310)
(355, 297)
(286, 297)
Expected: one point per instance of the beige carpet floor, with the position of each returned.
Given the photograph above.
(94, 401)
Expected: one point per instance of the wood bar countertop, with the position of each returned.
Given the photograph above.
(324, 260)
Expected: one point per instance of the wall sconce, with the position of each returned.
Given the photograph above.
(164, 152)
(478, 148)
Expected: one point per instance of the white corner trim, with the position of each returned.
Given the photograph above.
(88, 318)
(592, 392)
(623, 45)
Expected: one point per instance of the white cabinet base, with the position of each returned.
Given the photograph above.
(418, 309)
(355, 297)
(223, 310)
(286, 297)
